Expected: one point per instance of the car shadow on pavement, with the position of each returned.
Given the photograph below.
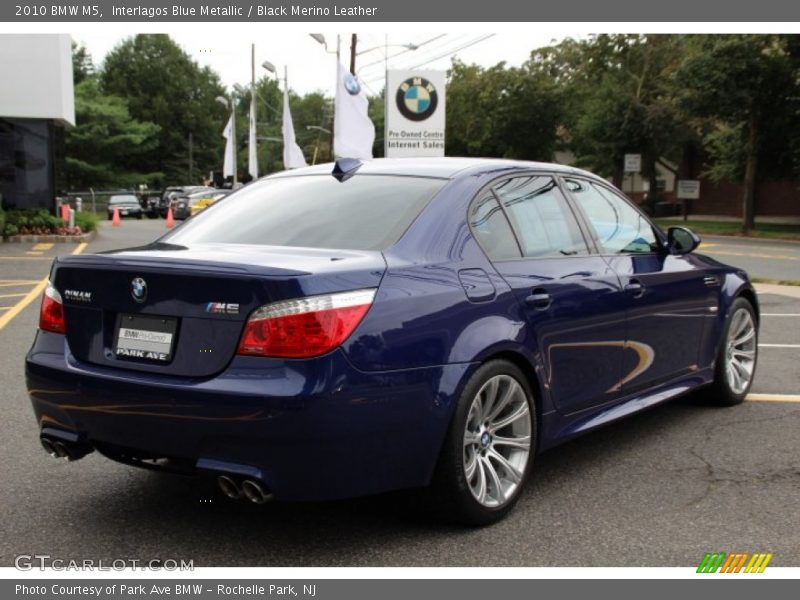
(190, 518)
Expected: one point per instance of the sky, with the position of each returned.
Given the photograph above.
(310, 68)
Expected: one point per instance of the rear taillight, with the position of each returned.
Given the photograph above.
(51, 315)
(304, 327)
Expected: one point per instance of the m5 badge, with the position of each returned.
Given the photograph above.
(221, 308)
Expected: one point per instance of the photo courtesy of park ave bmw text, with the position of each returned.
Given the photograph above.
(327, 300)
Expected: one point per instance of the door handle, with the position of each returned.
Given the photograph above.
(539, 299)
(635, 288)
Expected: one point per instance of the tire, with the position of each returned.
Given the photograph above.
(736, 361)
(457, 493)
(110, 217)
(139, 217)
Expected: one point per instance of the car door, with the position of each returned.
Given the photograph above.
(668, 298)
(572, 300)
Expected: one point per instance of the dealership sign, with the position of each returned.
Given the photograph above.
(415, 108)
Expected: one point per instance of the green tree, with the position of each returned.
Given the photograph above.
(82, 64)
(103, 147)
(163, 85)
(502, 112)
(742, 88)
(618, 99)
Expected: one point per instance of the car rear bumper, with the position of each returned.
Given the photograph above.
(310, 430)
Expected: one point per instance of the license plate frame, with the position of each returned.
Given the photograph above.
(149, 338)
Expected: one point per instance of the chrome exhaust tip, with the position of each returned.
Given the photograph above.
(61, 450)
(255, 492)
(229, 487)
(48, 446)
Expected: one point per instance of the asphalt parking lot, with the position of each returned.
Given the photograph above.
(659, 489)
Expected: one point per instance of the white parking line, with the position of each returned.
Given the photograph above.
(779, 345)
(780, 314)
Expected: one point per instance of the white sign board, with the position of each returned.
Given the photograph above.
(633, 163)
(688, 189)
(415, 110)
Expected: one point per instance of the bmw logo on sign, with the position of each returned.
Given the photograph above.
(351, 84)
(416, 99)
(139, 289)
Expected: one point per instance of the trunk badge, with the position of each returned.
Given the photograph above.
(139, 289)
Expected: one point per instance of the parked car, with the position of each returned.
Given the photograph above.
(171, 193)
(191, 204)
(395, 324)
(151, 203)
(127, 204)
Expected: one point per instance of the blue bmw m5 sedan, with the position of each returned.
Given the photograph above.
(349, 329)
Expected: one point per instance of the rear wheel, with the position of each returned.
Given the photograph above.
(737, 356)
(489, 449)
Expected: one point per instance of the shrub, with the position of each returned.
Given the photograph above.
(87, 221)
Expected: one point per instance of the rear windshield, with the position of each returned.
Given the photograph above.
(366, 212)
(123, 200)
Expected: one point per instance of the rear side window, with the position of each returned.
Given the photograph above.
(620, 228)
(491, 228)
(366, 212)
(543, 220)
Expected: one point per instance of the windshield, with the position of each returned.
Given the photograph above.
(366, 212)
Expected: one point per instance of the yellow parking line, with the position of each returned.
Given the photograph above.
(26, 258)
(19, 282)
(17, 308)
(11, 295)
(773, 397)
(42, 246)
(33, 294)
(31, 252)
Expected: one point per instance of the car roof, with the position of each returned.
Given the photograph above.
(440, 167)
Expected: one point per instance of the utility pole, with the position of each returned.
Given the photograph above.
(353, 42)
(191, 158)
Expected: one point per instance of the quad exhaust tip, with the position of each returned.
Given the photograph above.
(253, 490)
(229, 487)
(58, 449)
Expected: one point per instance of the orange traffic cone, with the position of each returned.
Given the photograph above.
(115, 220)
(170, 219)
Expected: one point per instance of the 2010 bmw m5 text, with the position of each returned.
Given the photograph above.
(393, 324)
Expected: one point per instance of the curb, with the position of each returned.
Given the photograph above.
(51, 239)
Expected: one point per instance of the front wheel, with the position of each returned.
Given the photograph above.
(489, 448)
(737, 355)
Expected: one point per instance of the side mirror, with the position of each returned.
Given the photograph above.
(682, 240)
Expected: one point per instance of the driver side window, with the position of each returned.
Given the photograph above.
(619, 228)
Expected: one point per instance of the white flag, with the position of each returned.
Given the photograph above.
(353, 132)
(292, 155)
(252, 144)
(227, 133)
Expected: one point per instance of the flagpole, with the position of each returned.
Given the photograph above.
(338, 66)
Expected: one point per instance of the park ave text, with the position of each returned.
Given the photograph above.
(176, 589)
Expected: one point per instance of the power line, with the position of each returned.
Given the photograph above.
(472, 43)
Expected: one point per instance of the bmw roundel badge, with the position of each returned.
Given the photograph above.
(139, 289)
(351, 84)
(416, 99)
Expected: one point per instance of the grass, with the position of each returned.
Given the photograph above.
(779, 231)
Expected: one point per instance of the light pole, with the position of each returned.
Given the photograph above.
(316, 145)
(232, 105)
